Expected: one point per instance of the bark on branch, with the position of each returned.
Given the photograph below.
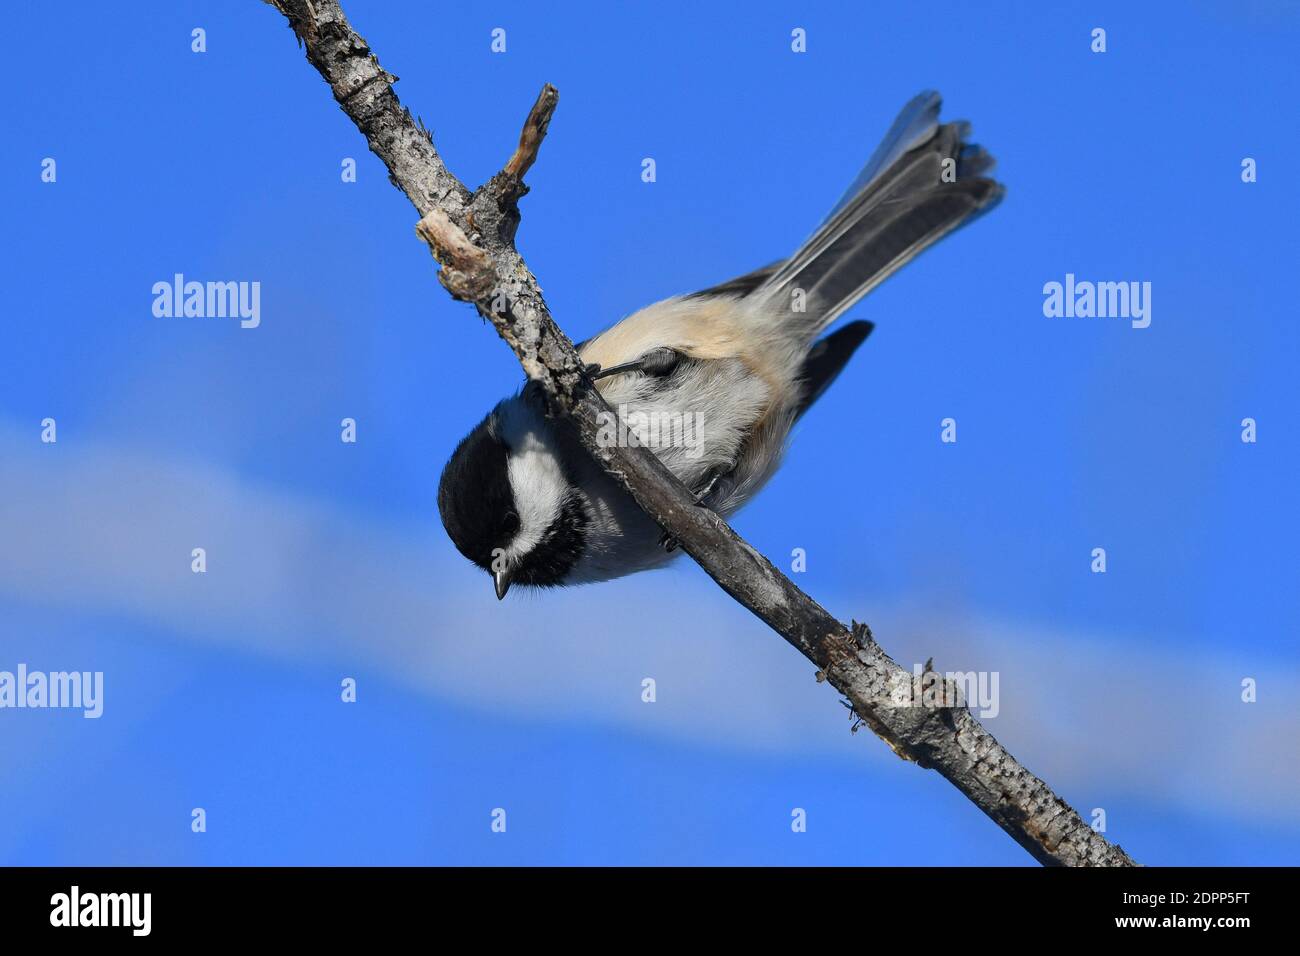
(472, 235)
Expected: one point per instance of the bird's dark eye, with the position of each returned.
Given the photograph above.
(511, 523)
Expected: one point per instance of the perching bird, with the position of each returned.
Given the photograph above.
(739, 363)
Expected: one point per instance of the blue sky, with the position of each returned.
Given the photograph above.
(328, 560)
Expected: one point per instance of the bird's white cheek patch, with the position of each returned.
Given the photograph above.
(539, 490)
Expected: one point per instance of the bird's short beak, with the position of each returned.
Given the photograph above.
(502, 581)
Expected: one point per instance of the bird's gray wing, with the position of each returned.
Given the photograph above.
(826, 359)
(740, 286)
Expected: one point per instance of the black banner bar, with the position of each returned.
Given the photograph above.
(334, 904)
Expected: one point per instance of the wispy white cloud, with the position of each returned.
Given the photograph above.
(107, 531)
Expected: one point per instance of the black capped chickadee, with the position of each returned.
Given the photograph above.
(712, 381)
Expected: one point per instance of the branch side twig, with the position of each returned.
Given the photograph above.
(468, 272)
(534, 131)
(472, 236)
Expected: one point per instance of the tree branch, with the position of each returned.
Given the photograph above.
(472, 237)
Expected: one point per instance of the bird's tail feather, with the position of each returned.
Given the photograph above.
(922, 182)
